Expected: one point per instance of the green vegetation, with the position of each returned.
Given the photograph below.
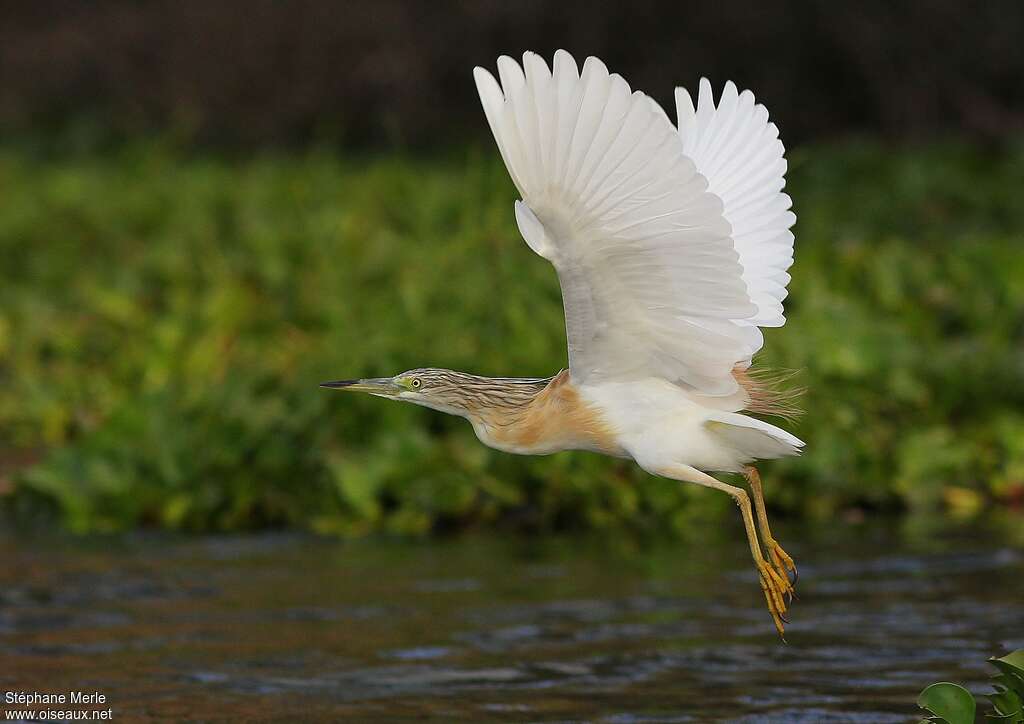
(953, 704)
(166, 318)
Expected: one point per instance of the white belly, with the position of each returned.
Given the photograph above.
(660, 426)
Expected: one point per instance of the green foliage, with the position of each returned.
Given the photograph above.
(1008, 699)
(953, 704)
(165, 319)
(949, 703)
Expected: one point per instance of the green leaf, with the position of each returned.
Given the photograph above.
(1008, 698)
(1006, 702)
(952, 702)
(1012, 664)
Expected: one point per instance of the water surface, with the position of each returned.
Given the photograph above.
(285, 628)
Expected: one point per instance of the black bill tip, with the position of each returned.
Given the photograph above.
(339, 383)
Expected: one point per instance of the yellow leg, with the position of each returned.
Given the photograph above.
(774, 585)
(780, 559)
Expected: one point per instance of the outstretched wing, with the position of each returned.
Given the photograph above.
(652, 282)
(739, 152)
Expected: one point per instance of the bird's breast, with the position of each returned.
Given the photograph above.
(558, 418)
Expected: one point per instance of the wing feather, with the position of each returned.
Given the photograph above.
(653, 283)
(739, 153)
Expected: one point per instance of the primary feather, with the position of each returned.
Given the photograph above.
(739, 153)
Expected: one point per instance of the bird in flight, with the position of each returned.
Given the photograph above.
(671, 245)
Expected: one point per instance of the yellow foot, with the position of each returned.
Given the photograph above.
(775, 588)
(783, 564)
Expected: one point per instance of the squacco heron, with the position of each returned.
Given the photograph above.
(671, 245)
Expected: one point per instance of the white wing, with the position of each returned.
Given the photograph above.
(652, 283)
(739, 152)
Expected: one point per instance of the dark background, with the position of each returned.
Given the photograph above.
(256, 72)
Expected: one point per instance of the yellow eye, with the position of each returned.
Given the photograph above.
(416, 384)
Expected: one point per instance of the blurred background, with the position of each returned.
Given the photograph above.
(208, 208)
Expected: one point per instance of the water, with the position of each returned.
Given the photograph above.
(285, 628)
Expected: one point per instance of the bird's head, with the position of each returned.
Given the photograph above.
(438, 389)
